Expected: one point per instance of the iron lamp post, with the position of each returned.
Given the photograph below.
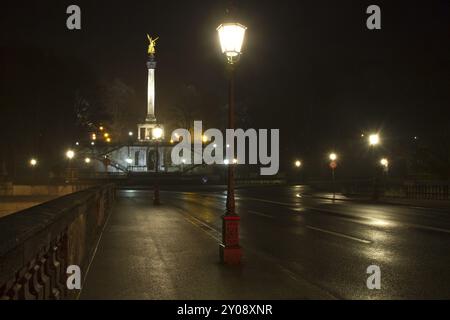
(231, 36)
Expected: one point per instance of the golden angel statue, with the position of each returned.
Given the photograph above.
(151, 45)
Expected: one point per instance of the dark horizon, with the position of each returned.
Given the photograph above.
(314, 72)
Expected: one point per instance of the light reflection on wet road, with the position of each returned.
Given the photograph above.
(331, 244)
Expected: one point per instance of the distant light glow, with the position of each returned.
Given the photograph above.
(374, 139)
(92, 143)
(298, 163)
(231, 36)
(333, 156)
(33, 162)
(77, 143)
(157, 133)
(129, 160)
(384, 162)
(87, 160)
(226, 161)
(130, 133)
(70, 154)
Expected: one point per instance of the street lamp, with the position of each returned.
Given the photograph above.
(70, 154)
(297, 165)
(33, 164)
(333, 164)
(87, 160)
(385, 164)
(231, 36)
(374, 139)
(157, 133)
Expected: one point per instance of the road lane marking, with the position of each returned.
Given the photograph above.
(268, 201)
(418, 226)
(339, 234)
(260, 214)
(213, 233)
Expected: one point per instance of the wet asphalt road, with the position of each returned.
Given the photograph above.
(331, 244)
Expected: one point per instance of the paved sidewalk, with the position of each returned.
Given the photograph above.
(149, 252)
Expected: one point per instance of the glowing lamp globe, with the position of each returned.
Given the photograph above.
(231, 36)
(157, 133)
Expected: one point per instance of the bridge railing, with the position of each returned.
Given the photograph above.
(38, 244)
(389, 188)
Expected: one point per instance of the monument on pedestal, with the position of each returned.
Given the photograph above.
(145, 129)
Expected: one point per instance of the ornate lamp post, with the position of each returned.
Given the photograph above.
(157, 133)
(231, 36)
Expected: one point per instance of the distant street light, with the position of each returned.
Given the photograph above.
(87, 160)
(298, 164)
(157, 134)
(70, 154)
(129, 160)
(130, 133)
(33, 162)
(374, 139)
(385, 164)
(333, 164)
(231, 36)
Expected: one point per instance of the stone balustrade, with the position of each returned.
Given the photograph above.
(37, 244)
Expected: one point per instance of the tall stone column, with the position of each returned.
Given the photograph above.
(151, 66)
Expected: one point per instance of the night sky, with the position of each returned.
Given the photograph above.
(310, 68)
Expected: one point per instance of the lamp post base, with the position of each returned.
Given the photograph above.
(230, 251)
(230, 255)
